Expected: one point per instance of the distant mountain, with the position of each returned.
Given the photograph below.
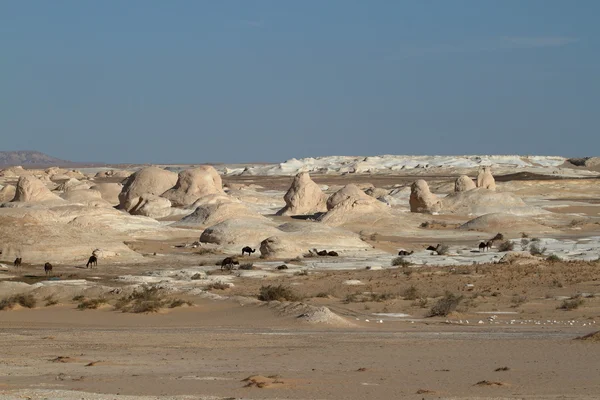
(29, 158)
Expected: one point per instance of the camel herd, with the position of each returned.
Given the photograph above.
(92, 261)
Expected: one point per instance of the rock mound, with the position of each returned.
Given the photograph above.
(7, 193)
(109, 191)
(149, 180)
(236, 233)
(150, 205)
(87, 197)
(212, 214)
(485, 179)
(309, 314)
(350, 204)
(483, 201)
(303, 197)
(193, 184)
(499, 222)
(31, 189)
(279, 247)
(422, 200)
(464, 183)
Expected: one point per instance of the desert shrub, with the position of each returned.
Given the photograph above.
(556, 283)
(78, 297)
(536, 250)
(91, 304)
(401, 261)
(535, 239)
(553, 258)
(411, 293)
(379, 297)
(524, 244)
(217, 286)
(422, 302)
(304, 272)
(517, 300)
(524, 235)
(507, 245)
(280, 293)
(24, 300)
(351, 298)
(425, 224)
(148, 299)
(248, 266)
(322, 294)
(498, 236)
(445, 305)
(179, 302)
(50, 301)
(571, 304)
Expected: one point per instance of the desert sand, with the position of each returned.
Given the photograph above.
(323, 307)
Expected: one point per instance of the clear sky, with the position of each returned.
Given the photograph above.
(250, 80)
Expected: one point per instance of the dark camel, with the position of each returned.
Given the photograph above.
(48, 268)
(248, 250)
(405, 253)
(485, 245)
(228, 263)
(433, 248)
(93, 260)
(17, 262)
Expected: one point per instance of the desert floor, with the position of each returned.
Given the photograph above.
(513, 334)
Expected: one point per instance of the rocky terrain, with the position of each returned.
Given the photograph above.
(334, 277)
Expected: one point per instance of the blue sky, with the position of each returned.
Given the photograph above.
(241, 81)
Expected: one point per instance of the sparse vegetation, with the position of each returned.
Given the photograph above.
(279, 293)
(78, 297)
(553, 258)
(443, 249)
(507, 245)
(536, 250)
(179, 303)
(571, 304)
(24, 300)
(524, 244)
(517, 300)
(401, 261)
(50, 301)
(217, 286)
(248, 266)
(148, 299)
(91, 304)
(322, 295)
(411, 293)
(445, 305)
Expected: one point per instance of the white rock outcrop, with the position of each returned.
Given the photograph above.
(303, 197)
(30, 189)
(485, 179)
(464, 183)
(149, 180)
(422, 200)
(193, 184)
(150, 205)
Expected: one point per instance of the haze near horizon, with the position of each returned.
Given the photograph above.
(235, 81)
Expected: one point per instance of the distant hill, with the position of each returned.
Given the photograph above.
(29, 158)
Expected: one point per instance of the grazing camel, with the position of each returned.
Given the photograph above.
(17, 262)
(322, 252)
(406, 253)
(228, 263)
(93, 260)
(248, 250)
(333, 254)
(485, 245)
(48, 268)
(432, 248)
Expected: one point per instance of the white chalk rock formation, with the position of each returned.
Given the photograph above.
(303, 197)
(152, 206)
(501, 222)
(212, 214)
(86, 197)
(193, 184)
(7, 193)
(279, 247)
(350, 204)
(149, 180)
(109, 191)
(483, 201)
(485, 179)
(422, 200)
(31, 189)
(464, 183)
(72, 184)
(237, 233)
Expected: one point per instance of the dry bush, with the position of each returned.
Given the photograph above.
(443, 250)
(248, 266)
(24, 300)
(379, 297)
(217, 286)
(78, 297)
(401, 261)
(91, 304)
(445, 305)
(322, 294)
(148, 299)
(535, 249)
(50, 301)
(279, 293)
(553, 258)
(571, 304)
(507, 245)
(179, 302)
(411, 293)
(517, 300)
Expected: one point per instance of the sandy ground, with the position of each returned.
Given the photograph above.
(509, 336)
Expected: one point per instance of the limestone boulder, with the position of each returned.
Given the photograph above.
(279, 247)
(152, 206)
(31, 189)
(15, 172)
(7, 193)
(422, 200)
(464, 183)
(303, 197)
(146, 181)
(109, 191)
(485, 179)
(502, 222)
(235, 233)
(212, 214)
(350, 204)
(377, 192)
(481, 201)
(72, 184)
(85, 196)
(193, 184)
